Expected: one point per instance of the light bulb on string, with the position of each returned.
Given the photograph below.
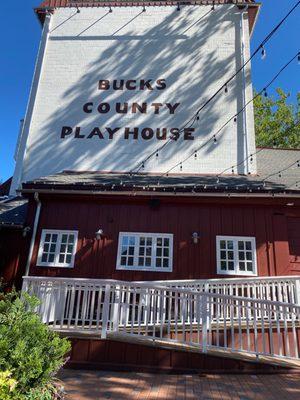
(178, 7)
(279, 175)
(143, 165)
(235, 119)
(232, 170)
(78, 11)
(226, 88)
(197, 117)
(251, 158)
(156, 154)
(180, 166)
(298, 163)
(215, 139)
(263, 53)
(144, 8)
(110, 9)
(265, 92)
(299, 58)
(196, 155)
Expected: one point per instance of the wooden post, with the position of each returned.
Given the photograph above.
(204, 315)
(105, 316)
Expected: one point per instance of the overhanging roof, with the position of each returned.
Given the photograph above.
(268, 181)
(52, 4)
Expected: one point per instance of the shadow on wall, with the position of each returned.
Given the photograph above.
(167, 51)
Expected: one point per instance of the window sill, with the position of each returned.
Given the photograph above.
(145, 269)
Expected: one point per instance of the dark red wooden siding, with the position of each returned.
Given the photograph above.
(13, 255)
(97, 259)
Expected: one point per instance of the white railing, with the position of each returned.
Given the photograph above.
(205, 320)
(284, 289)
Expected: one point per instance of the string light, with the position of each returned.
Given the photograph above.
(265, 92)
(143, 165)
(213, 7)
(78, 11)
(298, 58)
(157, 154)
(180, 166)
(263, 53)
(251, 158)
(232, 170)
(215, 139)
(144, 8)
(239, 112)
(265, 40)
(196, 155)
(235, 119)
(110, 9)
(226, 88)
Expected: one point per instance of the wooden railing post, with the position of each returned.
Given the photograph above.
(105, 314)
(116, 308)
(204, 317)
(297, 292)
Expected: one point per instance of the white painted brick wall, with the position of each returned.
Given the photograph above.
(195, 50)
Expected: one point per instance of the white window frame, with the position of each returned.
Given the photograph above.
(136, 267)
(56, 263)
(236, 260)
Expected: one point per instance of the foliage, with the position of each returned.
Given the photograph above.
(276, 121)
(30, 353)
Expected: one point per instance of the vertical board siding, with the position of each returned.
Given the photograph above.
(97, 259)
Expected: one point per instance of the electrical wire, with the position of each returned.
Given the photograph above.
(196, 115)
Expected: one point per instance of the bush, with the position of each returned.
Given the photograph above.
(30, 353)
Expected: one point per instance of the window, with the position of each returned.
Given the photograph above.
(236, 255)
(145, 252)
(57, 248)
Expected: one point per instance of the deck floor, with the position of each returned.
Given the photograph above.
(92, 385)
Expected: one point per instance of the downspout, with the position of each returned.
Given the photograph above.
(244, 114)
(35, 225)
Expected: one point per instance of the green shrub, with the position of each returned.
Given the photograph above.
(30, 353)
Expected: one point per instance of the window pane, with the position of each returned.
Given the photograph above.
(142, 251)
(159, 241)
(63, 248)
(223, 255)
(249, 255)
(249, 266)
(71, 239)
(142, 241)
(131, 251)
(166, 263)
(166, 242)
(52, 248)
(148, 251)
(124, 251)
(44, 258)
(230, 255)
(123, 261)
(148, 262)
(131, 241)
(54, 237)
(69, 259)
(159, 252)
(62, 258)
(242, 266)
(130, 261)
(248, 246)
(241, 245)
(70, 248)
(166, 252)
(223, 265)
(241, 255)
(230, 244)
(158, 262)
(51, 258)
(231, 266)
(64, 238)
(149, 241)
(125, 241)
(46, 247)
(141, 261)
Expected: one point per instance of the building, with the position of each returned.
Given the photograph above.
(128, 175)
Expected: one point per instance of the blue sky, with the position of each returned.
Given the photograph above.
(19, 39)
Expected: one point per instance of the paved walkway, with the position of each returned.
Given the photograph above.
(92, 385)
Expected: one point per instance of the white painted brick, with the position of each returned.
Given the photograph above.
(194, 52)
